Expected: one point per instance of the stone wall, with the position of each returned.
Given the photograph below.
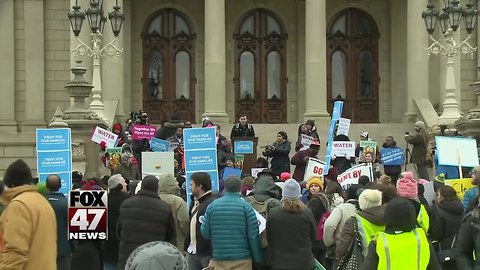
(11, 151)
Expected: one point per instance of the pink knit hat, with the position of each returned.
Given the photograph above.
(423, 181)
(284, 176)
(407, 187)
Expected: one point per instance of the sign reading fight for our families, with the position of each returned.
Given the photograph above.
(243, 147)
(351, 176)
(343, 126)
(158, 145)
(306, 141)
(336, 115)
(54, 155)
(102, 135)
(314, 167)
(392, 156)
(140, 132)
(454, 151)
(343, 149)
(460, 185)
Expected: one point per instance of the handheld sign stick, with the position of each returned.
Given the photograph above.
(459, 164)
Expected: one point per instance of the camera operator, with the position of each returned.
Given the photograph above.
(279, 152)
(419, 140)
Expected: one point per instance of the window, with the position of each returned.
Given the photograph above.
(182, 65)
(339, 75)
(156, 75)
(247, 76)
(365, 67)
(274, 73)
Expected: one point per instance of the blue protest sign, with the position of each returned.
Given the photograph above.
(65, 177)
(199, 138)
(231, 171)
(53, 139)
(243, 147)
(392, 156)
(201, 160)
(53, 162)
(336, 115)
(158, 145)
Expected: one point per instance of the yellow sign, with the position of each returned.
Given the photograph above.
(460, 185)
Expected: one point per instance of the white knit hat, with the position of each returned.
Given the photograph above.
(370, 198)
(291, 190)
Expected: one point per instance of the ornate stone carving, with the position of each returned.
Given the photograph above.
(78, 150)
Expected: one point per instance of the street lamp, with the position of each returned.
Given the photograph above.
(96, 22)
(450, 21)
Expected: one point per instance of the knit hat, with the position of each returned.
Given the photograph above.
(115, 180)
(18, 174)
(156, 255)
(315, 180)
(400, 215)
(407, 186)
(440, 178)
(420, 124)
(232, 184)
(150, 183)
(291, 190)
(284, 176)
(423, 181)
(364, 135)
(370, 198)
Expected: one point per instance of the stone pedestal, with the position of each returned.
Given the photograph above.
(469, 124)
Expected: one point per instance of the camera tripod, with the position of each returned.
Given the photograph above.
(408, 153)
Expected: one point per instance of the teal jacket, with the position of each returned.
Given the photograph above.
(470, 195)
(232, 226)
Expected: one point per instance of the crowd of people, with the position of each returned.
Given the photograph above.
(276, 220)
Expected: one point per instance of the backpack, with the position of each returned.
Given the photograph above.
(262, 209)
(321, 225)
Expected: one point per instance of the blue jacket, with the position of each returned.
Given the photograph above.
(60, 205)
(231, 224)
(469, 196)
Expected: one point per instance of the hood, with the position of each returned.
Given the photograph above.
(453, 207)
(375, 215)
(168, 185)
(11, 193)
(265, 188)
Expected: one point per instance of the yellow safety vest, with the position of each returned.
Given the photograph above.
(408, 250)
(367, 232)
(422, 219)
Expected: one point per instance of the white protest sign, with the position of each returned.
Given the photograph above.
(351, 176)
(157, 163)
(103, 135)
(314, 167)
(306, 141)
(262, 222)
(255, 171)
(343, 126)
(455, 151)
(429, 193)
(343, 149)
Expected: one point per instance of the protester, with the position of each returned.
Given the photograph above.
(262, 162)
(28, 227)
(300, 160)
(144, 218)
(242, 128)
(224, 153)
(247, 186)
(169, 192)
(127, 169)
(284, 176)
(312, 130)
(122, 137)
(117, 194)
(386, 180)
(364, 180)
(279, 153)
(177, 138)
(358, 149)
(419, 152)
(302, 129)
(156, 255)
(342, 163)
(471, 194)
(439, 182)
(77, 180)
(60, 206)
(219, 137)
(467, 245)
(447, 218)
(401, 246)
(335, 193)
(231, 224)
(393, 171)
(187, 124)
(199, 249)
(407, 187)
(291, 250)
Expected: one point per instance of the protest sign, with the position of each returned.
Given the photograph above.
(140, 132)
(306, 141)
(351, 176)
(343, 126)
(314, 167)
(102, 135)
(460, 185)
(392, 156)
(239, 159)
(429, 192)
(158, 145)
(368, 147)
(54, 156)
(343, 149)
(336, 115)
(157, 163)
(114, 156)
(455, 151)
(231, 171)
(243, 147)
(255, 171)
(262, 222)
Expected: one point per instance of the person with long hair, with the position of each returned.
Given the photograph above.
(393, 171)
(279, 154)
(292, 250)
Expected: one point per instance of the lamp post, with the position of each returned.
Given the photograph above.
(96, 22)
(450, 20)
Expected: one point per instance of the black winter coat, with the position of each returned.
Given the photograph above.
(144, 218)
(87, 255)
(468, 242)
(115, 199)
(280, 159)
(239, 130)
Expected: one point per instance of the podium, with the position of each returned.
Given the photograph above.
(250, 160)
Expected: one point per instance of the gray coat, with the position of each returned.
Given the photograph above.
(420, 142)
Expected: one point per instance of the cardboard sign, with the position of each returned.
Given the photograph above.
(306, 141)
(368, 147)
(157, 163)
(343, 149)
(392, 156)
(351, 176)
(243, 147)
(460, 185)
(343, 126)
(158, 145)
(231, 171)
(429, 192)
(102, 135)
(454, 151)
(255, 171)
(336, 115)
(140, 132)
(314, 167)
(114, 157)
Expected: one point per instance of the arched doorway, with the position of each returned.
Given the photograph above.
(168, 66)
(260, 67)
(353, 76)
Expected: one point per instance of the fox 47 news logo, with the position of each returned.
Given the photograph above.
(87, 215)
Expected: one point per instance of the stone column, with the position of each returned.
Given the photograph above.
(315, 61)
(34, 64)
(417, 60)
(215, 61)
(7, 65)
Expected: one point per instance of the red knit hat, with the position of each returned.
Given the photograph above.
(284, 176)
(407, 187)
